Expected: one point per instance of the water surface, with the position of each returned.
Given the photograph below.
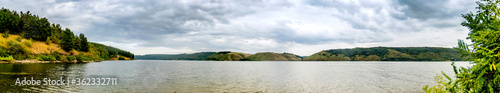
(232, 76)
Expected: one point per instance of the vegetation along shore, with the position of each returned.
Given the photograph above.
(28, 38)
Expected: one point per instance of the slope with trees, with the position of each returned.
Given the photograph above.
(29, 37)
(387, 54)
(269, 56)
(228, 56)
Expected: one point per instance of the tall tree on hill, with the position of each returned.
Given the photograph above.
(9, 21)
(76, 43)
(67, 40)
(84, 44)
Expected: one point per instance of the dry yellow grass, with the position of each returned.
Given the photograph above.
(116, 58)
(41, 48)
(37, 47)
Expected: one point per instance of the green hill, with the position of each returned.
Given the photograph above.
(223, 56)
(228, 56)
(29, 37)
(387, 54)
(194, 56)
(269, 56)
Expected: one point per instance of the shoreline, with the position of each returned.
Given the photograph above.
(38, 61)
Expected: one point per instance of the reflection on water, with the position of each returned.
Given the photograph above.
(216, 76)
(10, 72)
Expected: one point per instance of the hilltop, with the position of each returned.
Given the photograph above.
(355, 54)
(228, 56)
(223, 56)
(387, 54)
(269, 56)
(29, 38)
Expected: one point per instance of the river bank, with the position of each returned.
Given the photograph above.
(38, 61)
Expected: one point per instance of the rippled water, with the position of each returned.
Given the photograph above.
(231, 76)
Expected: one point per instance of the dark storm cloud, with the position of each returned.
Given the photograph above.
(433, 9)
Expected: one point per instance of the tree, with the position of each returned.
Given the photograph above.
(76, 43)
(67, 40)
(84, 44)
(483, 76)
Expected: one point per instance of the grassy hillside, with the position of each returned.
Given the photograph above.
(228, 56)
(26, 49)
(29, 37)
(269, 56)
(387, 54)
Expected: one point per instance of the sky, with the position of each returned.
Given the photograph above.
(302, 27)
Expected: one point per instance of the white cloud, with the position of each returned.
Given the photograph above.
(298, 26)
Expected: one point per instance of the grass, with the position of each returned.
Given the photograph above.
(35, 47)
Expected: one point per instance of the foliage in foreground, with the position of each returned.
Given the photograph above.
(483, 76)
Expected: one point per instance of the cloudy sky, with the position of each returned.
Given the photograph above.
(301, 27)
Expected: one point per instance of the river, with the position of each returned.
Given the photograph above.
(228, 76)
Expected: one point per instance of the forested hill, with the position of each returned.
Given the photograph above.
(29, 37)
(223, 56)
(355, 54)
(387, 54)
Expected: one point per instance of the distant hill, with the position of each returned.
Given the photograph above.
(269, 56)
(223, 56)
(355, 54)
(387, 54)
(194, 56)
(228, 56)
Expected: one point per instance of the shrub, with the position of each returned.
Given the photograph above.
(80, 58)
(121, 58)
(57, 57)
(47, 41)
(52, 58)
(46, 58)
(9, 58)
(63, 58)
(70, 58)
(28, 43)
(31, 57)
(3, 51)
(16, 48)
(6, 34)
(19, 39)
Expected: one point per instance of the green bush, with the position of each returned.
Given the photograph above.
(9, 58)
(46, 58)
(57, 57)
(3, 51)
(5, 35)
(19, 39)
(28, 43)
(121, 58)
(31, 57)
(80, 58)
(70, 58)
(16, 48)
